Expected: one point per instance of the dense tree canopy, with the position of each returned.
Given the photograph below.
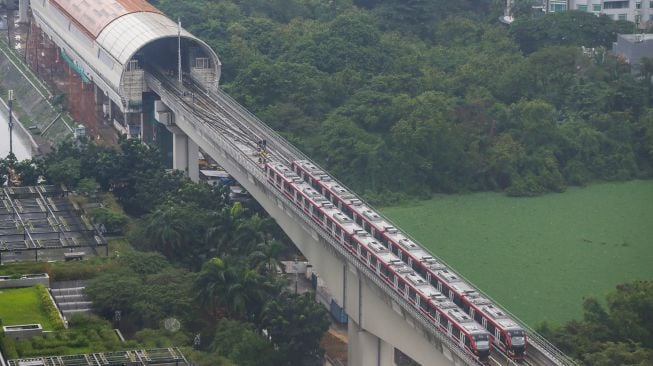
(617, 335)
(415, 97)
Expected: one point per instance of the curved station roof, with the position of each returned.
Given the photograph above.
(93, 15)
(102, 36)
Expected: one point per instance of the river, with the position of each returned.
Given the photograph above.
(21, 146)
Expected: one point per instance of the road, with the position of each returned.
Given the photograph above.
(21, 147)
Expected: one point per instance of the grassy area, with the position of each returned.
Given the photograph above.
(75, 270)
(540, 256)
(87, 334)
(23, 306)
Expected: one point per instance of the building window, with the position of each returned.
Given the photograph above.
(650, 4)
(650, 17)
(557, 5)
(597, 7)
(623, 16)
(638, 5)
(616, 5)
(202, 63)
(582, 7)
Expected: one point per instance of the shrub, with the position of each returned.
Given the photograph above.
(8, 347)
(49, 307)
(113, 222)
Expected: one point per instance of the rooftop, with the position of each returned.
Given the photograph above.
(93, 16)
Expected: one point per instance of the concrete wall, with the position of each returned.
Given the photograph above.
(25, 281)
(30, 102)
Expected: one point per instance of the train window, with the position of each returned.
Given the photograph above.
(465, 307)
(338, 231)
(503, 337)
(358, 220)
(394, 249)
(456, 333)
(423, 303)
(364, 253)
(287, 187)
(432, 311)
(330, 224)
(354, 245)
(444, 322)
(373, 261)
(445, 291)
(385, 271)
(477, 316)
(467, 342)
(490, 327)
(420, 270)
(457, 300)
(349, 241)
(411, 293)
(377, 235)
(401, 286)
(434, 282)
(278, 179)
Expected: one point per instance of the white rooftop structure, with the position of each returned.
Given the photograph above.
(108, 42)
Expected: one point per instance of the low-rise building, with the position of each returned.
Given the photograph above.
(632, 48)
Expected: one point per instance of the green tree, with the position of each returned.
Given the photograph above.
(66, 171)
(296, 324)
(240, 342)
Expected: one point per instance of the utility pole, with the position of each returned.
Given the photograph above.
(11, 123)
(179, 50)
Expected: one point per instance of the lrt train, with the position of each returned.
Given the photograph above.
(507, 335)
(436, 306)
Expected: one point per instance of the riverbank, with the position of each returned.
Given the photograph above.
(33, 111)
(540, 256)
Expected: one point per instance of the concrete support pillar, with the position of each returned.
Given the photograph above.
(184, 154)
(23, 6)
(179, 150)
(365, 349)
(193, 165)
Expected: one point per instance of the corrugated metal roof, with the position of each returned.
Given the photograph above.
(93, 15)
(126, 35)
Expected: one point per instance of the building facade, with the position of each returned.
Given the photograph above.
(639, 12)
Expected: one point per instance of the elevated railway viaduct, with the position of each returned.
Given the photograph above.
(127, 50)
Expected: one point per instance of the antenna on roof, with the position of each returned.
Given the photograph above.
(179, 50)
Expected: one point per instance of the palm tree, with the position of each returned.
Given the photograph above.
(211, 285)
(165, 230)
(264, 257)
(220, 236)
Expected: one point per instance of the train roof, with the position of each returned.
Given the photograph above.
(401, 269)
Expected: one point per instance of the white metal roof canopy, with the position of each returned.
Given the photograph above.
(128, 35)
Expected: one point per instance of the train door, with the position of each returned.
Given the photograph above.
(497, 336)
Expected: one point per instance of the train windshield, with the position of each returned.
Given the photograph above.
(517, 337)
(482, 341)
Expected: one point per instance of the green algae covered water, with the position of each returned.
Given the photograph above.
(539, 257)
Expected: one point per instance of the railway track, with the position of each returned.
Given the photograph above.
(223, 115)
